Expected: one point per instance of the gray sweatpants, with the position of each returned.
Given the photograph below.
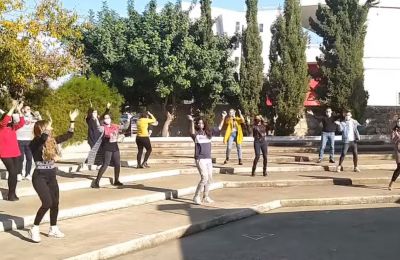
(205, 168)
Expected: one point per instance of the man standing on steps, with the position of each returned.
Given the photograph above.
(233, 132)
(328, 133)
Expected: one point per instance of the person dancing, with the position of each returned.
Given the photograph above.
(45, 153)
(201, 136)
(260, 144)
(143, 138)
(107, 146)
(9, 149)
(396, 141)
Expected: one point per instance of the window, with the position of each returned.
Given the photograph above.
(237, 61)
(237, 27)
(261, 27)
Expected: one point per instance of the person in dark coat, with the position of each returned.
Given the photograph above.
(396, 142)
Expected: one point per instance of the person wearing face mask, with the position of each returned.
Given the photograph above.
(350, 137)
(233, 133)
(328, 133)
(260, 144)
(93, 130)
(9, 149)
(45, 153)
(24, 137)
(201, 135)
(143, 138)
(106, 147)
(396, 141)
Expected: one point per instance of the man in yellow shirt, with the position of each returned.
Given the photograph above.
(143, 138)
(233, 132)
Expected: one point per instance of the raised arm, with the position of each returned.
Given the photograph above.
(7, 117)
(152, 119)
(62, 138)
(242, 121)
(221, 124)
(191, 130)
(21, 122)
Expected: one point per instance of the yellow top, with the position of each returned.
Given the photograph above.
(230, 123)
(143, 126)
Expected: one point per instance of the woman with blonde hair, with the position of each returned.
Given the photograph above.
(45, 153)
(260, 144)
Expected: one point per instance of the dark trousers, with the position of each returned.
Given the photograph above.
(396, 173)
(46, 185)
(345, 148)
(12, 169)
(116, 159)
(25, 153)
(260, 146)
(143, 142)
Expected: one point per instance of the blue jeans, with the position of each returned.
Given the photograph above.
(233, 138)
(325, 137)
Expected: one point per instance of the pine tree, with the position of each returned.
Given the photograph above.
(251, 67)
(288, 74)
(206, 20)
(342, 25)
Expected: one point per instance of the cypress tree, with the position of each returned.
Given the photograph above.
(251, 67)
(206, 20)
(288, 73)
(342, 25)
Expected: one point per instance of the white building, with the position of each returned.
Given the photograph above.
(381, 54)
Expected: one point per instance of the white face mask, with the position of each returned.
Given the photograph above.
(94, 114)
(107, 121)
(348, 118)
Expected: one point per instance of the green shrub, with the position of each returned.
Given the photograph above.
(77, 93)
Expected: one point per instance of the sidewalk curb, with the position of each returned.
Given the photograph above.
(156, 239)
(22, 222)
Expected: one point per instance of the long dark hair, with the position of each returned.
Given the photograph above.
(396, 127)
(90, 112)
(206, 127)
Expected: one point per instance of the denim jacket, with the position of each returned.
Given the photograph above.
(344, 128)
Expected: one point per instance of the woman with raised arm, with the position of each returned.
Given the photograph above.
(260, 144)
(396, 142)
(45, 153)
(9, 149)
(106, 148)
(201, 136)
(143, 138)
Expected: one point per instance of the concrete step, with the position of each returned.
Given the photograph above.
(130, 229)
(81, 202)
(82, 178)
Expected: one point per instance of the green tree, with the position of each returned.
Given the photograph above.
(288, 73)
(251, 67)
(342, 25)
(79, 93)
(37, 46)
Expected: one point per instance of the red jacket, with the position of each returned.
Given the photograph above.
(8, 138)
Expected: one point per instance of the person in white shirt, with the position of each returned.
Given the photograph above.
(24, 137)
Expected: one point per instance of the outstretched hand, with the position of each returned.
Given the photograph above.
(108, 105)
(190, 117)
(74, 114)
(49, 117)
(224, 114)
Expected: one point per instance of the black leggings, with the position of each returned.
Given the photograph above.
(396, 173)
(46, 186)
(143, 142)
(260, 146)
(345, 148)
(25, 153)
(116, 159)
(12, 168)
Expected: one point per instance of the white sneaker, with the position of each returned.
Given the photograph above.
(19, 177)
(356, 169)
(197, 200)
(34, 234)
(29, 177)
(55, 232)
(338, 168)
(207, 200)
